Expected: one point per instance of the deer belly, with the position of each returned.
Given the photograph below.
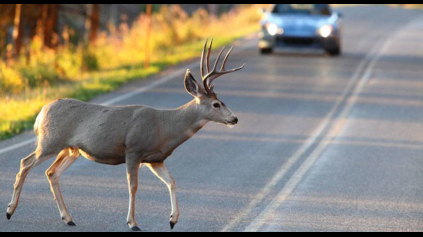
(107, 159)
(156, 157)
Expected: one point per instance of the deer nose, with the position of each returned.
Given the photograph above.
(235, 121)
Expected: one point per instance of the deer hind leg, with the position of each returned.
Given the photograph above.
(28, 163)
(160, 170)
(132, 171)
(64, 160)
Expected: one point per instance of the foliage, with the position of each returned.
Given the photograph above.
(40, 75)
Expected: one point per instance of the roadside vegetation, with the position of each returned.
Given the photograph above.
(39, 74)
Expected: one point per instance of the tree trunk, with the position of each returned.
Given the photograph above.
(17, 31)
(41, 21)
(92, 24)
(50, 25)
(147, 36)
(47, 23)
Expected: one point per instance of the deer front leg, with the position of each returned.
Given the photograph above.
(132, 170)
(159, 169)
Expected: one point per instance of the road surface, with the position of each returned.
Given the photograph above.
(323, 144)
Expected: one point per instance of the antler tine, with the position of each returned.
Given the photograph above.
(217, 60)
(226, 58)
(202, 59)
(216, 75)
(234, 70)
(208, 55)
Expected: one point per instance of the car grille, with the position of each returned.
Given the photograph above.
(296, 41)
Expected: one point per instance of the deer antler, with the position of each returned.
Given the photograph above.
(209, 76)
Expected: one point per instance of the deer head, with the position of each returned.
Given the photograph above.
(213, 108)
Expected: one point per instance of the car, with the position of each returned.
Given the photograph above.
(314, 26)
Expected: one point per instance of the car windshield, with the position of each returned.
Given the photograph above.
(304, 9)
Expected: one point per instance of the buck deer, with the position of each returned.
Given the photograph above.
(136, 135)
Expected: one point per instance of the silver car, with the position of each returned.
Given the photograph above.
(301, 26)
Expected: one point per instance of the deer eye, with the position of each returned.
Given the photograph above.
(216, 105)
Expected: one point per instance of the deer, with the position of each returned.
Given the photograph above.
(135, 135)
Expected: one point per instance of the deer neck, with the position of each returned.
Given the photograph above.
(181, 124)
(189, 119)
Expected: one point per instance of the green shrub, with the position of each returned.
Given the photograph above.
(89, 61)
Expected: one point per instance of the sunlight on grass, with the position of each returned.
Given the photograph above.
(18, 113)
(82, 72)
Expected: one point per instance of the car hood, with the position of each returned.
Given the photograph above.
(301, 25)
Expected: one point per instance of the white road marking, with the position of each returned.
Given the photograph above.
(371, 60)
(300, 152)
(148, 87)
(18, 145)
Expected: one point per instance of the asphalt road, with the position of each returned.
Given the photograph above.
(323, 144)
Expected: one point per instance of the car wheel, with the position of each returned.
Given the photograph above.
(266, 51)
(335, 52)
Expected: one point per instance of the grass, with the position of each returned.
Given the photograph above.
(81, 72)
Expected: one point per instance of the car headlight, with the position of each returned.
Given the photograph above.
(273, 29)
(325, 31)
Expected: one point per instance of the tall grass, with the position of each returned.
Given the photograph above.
(40, 75)
(172, 28)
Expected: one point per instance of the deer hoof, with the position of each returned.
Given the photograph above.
(135, 228)
(172, 225)
(8, 216)
(71, 223)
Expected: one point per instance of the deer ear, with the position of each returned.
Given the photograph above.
(192, 86)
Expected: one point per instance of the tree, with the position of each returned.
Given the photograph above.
(147, 35)
(17, 30)
(92, 23)
(46, 26)
(50, 28)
